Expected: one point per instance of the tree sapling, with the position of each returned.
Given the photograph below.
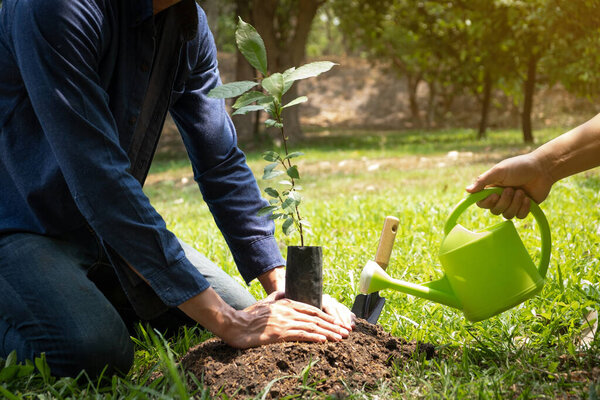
(265, 94)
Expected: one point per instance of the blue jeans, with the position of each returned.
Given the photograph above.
(59, 296)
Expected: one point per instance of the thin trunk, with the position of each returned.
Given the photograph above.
(431, 104)
(413, 83)
(485, 106)
(529, 89)
(447, 96)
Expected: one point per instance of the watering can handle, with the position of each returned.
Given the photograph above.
(534, 208)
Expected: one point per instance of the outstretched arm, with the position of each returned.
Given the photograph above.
(274, 319)
(533, 174)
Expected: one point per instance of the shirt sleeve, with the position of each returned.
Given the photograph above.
(227, 184)
(58, 46)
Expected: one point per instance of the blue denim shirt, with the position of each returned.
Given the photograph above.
(74, 78)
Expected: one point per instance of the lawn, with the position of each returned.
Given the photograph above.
(351, 181)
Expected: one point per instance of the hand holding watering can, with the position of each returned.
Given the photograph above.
(485, 272)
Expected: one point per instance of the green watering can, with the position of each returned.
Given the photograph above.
(485, 272)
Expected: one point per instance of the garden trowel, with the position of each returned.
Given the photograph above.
(369, 306)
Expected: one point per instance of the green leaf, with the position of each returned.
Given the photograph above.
(309, 70)
(272, 109)
(273, 201)
(270, 155)
(271, 167)
(8, 373)
(272, 174)
(251, 46)
(293, 155)
(43, 367)
(271, 123)
(251, 97)
(11, 359)
(287, 84)
(266, 210)
(275, 216)
(293, 172)
(232, 89)
(289, 205)
(285, 182)
(247, 109)
(274, 85)
(304, 222)
(272, 192)
(8, 395)
(296, 197)
(297, 100)
(288, 226)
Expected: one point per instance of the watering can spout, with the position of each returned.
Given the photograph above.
(373, 278)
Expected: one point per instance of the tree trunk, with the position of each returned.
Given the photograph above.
(413, 83)
(528, 89)
(245, 125)
(447, 95)
(485, 105)
(431, 106)
(286, 49)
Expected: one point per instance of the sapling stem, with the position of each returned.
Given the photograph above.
(285, 148)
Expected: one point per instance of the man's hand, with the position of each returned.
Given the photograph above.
(277, 319)
(274, 280)
(340, 312)
(522, 176)
(274, 319)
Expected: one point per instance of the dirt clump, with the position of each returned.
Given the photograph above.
(335, 369)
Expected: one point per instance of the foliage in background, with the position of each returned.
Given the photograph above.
(479, 46)
(326, 38)
(284, 203)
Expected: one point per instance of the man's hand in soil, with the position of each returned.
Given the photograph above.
(274, 319)
(340, 312)
(274, 280)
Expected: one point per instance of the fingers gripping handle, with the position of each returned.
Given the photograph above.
(386, 241)
(537, 212)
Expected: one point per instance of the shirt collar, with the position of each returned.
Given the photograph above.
(141, 10)
(186, 12)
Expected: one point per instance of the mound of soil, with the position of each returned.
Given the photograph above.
(359, 362)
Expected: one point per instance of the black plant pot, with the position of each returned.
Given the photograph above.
(304, 274)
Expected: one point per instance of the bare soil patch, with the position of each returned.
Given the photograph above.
(359, 362)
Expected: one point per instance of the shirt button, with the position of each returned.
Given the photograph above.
(132, 120)
(144, 67)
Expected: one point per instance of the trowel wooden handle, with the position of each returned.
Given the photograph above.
(386, 242)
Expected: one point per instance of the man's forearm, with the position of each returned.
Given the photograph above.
(573, 152)
(212, 312)
(273, 280)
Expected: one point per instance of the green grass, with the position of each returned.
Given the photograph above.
(528, 352)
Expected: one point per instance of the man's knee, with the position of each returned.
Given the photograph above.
(107, 350)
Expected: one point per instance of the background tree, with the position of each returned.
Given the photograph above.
(483, 57)
(576, 48)
(377, 28)
(546, 38)
(284, 26)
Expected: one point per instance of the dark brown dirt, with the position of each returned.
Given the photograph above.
(359, 362)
